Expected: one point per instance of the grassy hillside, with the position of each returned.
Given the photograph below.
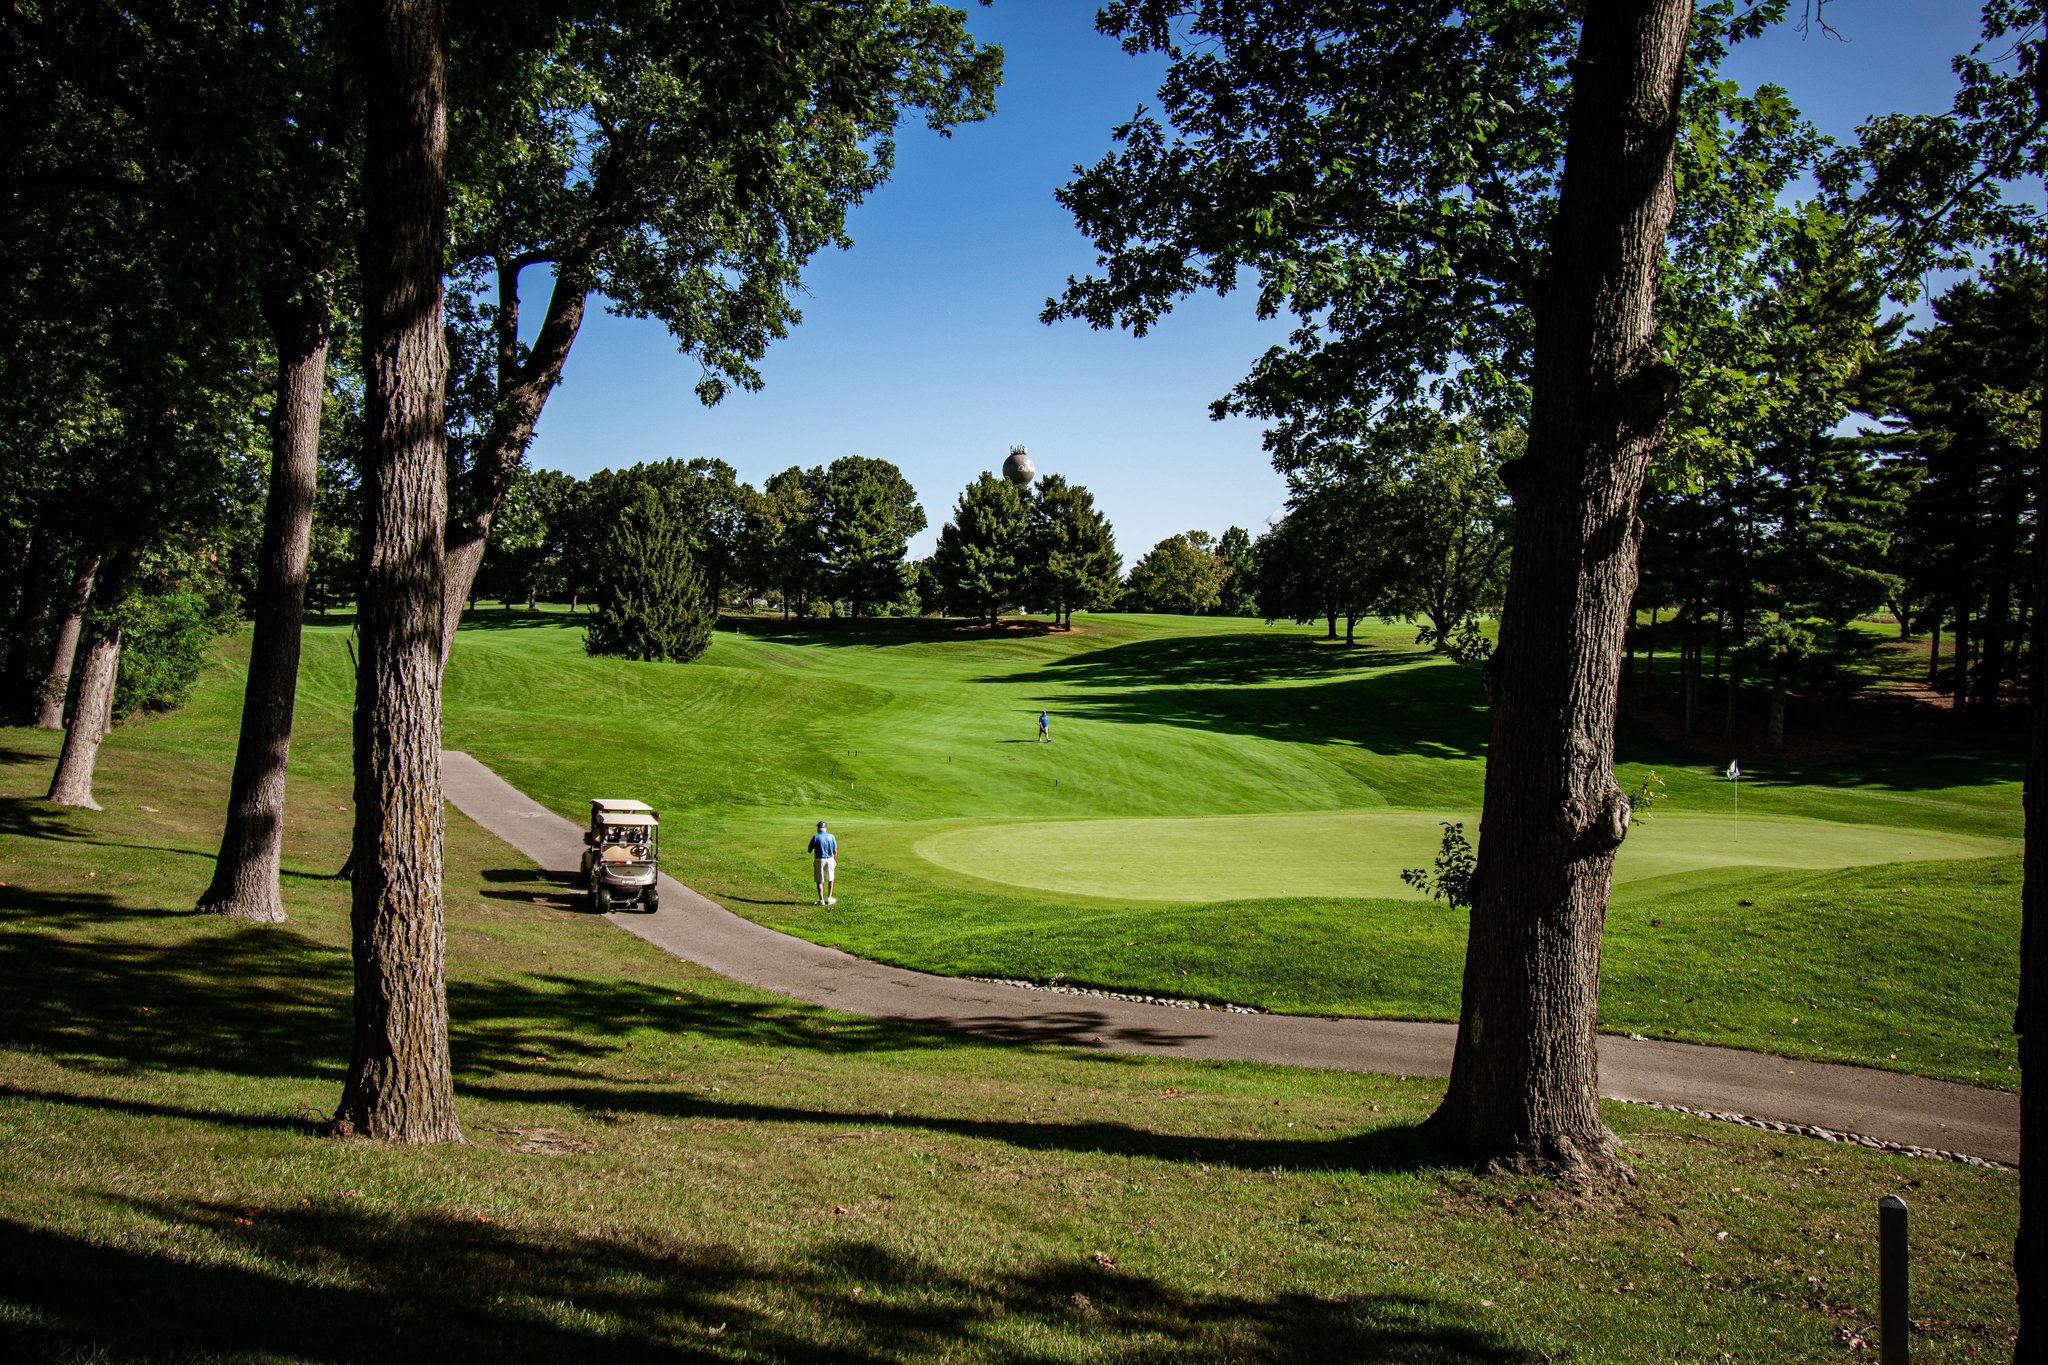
(663, 1165)
(1223, 812)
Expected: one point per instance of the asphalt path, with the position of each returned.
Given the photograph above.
(1843, 1100)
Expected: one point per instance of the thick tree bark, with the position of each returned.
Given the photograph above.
(2030, 1018)
(56, 684)
(91, 719)
(31, 611)
(92, 715)
(399, 1083)
(245, 875)
(1524, 1086)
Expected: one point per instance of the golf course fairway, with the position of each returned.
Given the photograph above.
(1224, 812)
(1362, 853)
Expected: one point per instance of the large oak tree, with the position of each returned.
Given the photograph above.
(399, 1083)
(1470, 202)
(684, 161)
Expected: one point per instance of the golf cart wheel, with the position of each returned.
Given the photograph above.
(652, 900)
(602, 901)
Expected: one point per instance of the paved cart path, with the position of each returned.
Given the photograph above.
(1842, 1099)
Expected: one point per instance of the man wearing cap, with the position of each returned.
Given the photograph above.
(825, 864)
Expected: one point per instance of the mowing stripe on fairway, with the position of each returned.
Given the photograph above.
(1361, 853)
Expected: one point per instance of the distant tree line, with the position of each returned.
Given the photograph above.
(807, 542)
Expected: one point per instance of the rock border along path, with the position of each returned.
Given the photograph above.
(1848, 1103)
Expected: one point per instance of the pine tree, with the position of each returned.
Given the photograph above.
(651, 599)
(981, 558)
(1072, 552)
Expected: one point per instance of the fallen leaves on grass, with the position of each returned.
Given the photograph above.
(1104, 1259)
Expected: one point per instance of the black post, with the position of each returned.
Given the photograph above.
(1891, 1281)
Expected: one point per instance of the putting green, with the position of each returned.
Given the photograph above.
(1361, 853)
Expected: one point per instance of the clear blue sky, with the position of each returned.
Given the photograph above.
(922, 344)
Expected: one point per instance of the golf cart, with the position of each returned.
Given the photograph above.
(621, 855)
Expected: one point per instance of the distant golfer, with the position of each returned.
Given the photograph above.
(825, 864)
(1044, 728)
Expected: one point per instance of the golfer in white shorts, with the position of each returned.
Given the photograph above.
(825, 864)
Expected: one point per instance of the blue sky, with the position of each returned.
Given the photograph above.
(922, 344)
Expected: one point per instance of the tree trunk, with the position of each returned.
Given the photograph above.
(1959, 659)
(1774, 733)
(1689, 683)
(1650, 654)
(399, 1085)
(91, 719)
(1524, 1086)
(1732, 701)
(92, 716)
(522, 391)
(31, 611)
(1331, 633)
(57, 681)
(245, 875)
(1350, 628)
(2030, 1018)
(1934, 652)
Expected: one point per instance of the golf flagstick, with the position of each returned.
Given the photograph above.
(1735, 776)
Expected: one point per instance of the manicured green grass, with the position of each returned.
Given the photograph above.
(1224, 811)
(662, 1164)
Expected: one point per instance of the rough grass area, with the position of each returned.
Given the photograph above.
(664, 1165)
(1227, 760)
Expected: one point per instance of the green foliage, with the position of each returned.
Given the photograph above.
(1387, 175)
(1182, 574)
(1449, 878)
(981, 562)
(1240, 583)
(651, 601)
(179, 602)
(869, 512)
(783, 537)
(1071, 558)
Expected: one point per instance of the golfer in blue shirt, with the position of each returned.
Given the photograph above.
(825, 864)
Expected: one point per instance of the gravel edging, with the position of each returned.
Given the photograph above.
(1172, 1002)
(1825, 1135)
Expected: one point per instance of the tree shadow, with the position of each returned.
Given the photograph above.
(269, 1002)
(1863, 741)
(336, 1281)
(1283, 687)
(873, 631)
(1394, 1148)
(519, 618)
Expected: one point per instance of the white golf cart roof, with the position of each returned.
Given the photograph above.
(600, 805)
(632, 818)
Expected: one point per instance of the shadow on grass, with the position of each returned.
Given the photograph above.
(253, 1002)
(332, 1282)
(1282, 687)
(307, 1123)
(1392, 1148)
(874, 631)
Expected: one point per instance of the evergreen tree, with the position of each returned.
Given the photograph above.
(1072, 553)
(982, 561)
(651, 600)
(870, 512)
